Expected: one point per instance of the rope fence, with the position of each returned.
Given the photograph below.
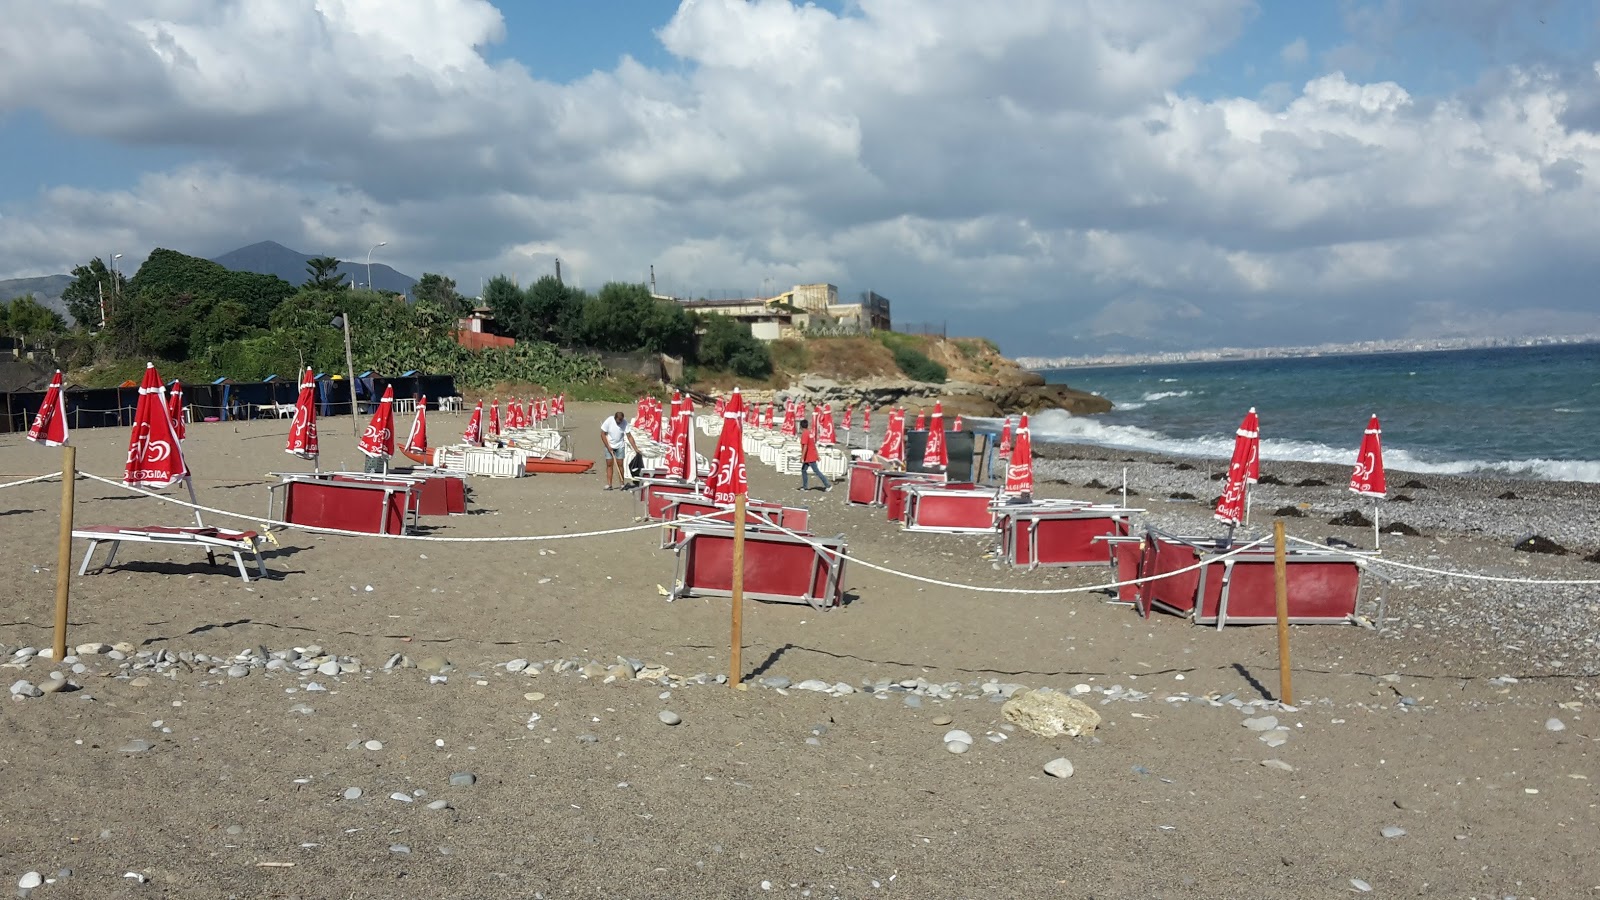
(827, 551)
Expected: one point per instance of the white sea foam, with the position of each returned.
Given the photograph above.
(1158, 395)
(1169, 380)
(1122, 407)
(1063, 427)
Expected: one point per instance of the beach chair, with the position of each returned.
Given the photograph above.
(211, 540)
(778, 568)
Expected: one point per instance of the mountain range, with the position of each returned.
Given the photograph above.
(263, 258)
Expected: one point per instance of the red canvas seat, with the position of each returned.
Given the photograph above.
(777, 567)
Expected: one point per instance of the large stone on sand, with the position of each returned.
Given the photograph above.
(1050, 713)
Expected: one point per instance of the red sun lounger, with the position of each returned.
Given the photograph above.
(777, 567)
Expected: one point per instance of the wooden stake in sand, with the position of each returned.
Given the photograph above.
(69, 476)
(1280, 577)
(736, 662)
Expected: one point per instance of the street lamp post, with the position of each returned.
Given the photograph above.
(116, 290)
(369, 262)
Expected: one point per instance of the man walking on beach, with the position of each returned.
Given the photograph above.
(614, 435)
(808, 458)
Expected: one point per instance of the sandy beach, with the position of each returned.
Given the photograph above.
(1465, 728)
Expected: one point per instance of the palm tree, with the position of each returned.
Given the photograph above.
(324, 273)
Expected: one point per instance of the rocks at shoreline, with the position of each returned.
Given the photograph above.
(959, 397)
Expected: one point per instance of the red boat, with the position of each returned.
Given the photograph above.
(534, 465)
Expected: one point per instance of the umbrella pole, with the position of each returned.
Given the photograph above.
(69, 477)
(736, 660)
(1246, 503)
(1375, 538)
(188, 482)
(1124, 487)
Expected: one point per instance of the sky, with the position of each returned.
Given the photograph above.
(1064, 176)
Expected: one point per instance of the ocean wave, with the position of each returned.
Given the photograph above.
(1121, 407)
(1163, 395)
(1169, 380)
(1058, 426)
(1563, 409)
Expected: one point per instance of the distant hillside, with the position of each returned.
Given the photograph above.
(46, 289)
(273, 258)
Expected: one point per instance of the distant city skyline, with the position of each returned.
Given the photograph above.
(1225, 354)
(1063, 179)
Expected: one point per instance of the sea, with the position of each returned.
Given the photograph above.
(1524, 412)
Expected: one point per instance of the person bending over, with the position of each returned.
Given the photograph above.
(616, 438)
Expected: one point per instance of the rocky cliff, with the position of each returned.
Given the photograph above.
(981, 382)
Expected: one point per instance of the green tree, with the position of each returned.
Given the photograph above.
(89, 283)
(727, 344)
(441, 292)
(508, 304)
(554, 311)
(26, 317)
(324, 272)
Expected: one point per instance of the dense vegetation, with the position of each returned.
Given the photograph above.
(204, 321)
(912, 361)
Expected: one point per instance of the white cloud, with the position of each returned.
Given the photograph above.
(1045, 163)
(1295, 53)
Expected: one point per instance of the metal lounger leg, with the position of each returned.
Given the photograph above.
(238, 559)
(84, 566)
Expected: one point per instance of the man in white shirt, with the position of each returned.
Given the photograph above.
(616, 439)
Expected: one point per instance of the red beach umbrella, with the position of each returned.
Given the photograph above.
(1019, 471)
(175, 410)
(1368, 479)
(848, 411)
(957, 426)
(894, 439)
(494, 417)
(417, 439)
(935, 453)
(50, 425)
(474, 435)
(866, 419)
(377, 441)
(922, 422)
(719, 406)
(1005, 438)
(825, 429)
(790, 426)
(155, 458)
(1252, 469)
(303, 429)
(558, 406)
(1232, 508)
(728, 476)
(766, 419)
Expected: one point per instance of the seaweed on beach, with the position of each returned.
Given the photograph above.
(1182, 467)
(1508, 495)
(1351, 519)
(1289, 512)
(1402, 498)
(1118, 491)
(1270, 479)
(1180, 495)
(1538, 543)
(1311, 482)
(1593, 557)
(1415, 485)
(1093, 483)
(1400, 528)
(1219, 476)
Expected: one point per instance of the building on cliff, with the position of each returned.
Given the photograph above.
(803, 309)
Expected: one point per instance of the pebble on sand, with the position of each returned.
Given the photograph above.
(1554, 724)
(373, 745)
(352, 793)
(957, 746)
(30, 881)
(1060, 767)
(956, 734)
(668, 717)
(1392, 831)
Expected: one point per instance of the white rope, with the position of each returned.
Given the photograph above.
(1378, 560)
(11, 484)
(504, 539)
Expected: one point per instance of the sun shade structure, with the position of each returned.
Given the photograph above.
(50, 425)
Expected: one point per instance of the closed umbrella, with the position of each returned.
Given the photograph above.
(50, 425)
(1005, 438)
(825, 428)
(1368, 479)
(935, 455)
(494, 417)
(474, 435)
(175, 410)
(377, 441)
(1019, 470)
(893, 447)
(155, 458)
(417, 439)
(303, 428)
